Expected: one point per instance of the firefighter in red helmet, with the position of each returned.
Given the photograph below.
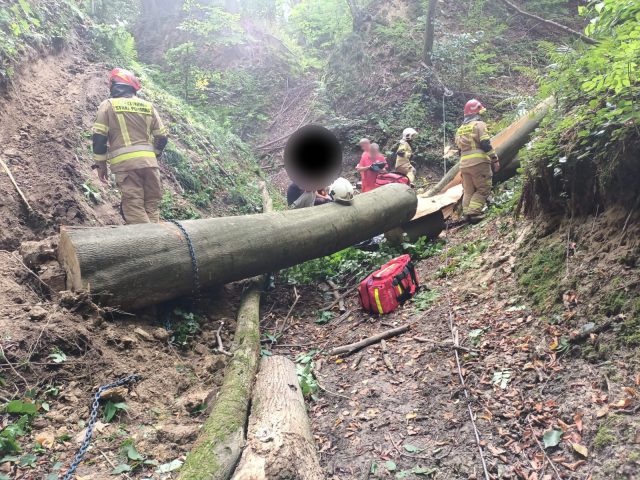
(128, 134)
(478, 160)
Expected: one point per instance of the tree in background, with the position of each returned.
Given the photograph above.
(429, 31)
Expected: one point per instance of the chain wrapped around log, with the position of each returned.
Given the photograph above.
(133, 266)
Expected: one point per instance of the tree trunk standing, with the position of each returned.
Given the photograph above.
(279, 442)
(220, 442)
(137, 265)
(355, 14)
(429, 32)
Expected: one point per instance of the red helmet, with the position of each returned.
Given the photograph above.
(472, 107)
(124, 77)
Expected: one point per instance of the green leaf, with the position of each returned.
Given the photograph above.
(133, 454)
(58, 357)
(18, 406)
(28, 460)
(391, 465)
(424, 471)
(155, 463)
(413, 448)
(9, 458)
(45, 406)
(552, 438)
(109, 411)
(123, 467)
(169, 467)
(374, 468)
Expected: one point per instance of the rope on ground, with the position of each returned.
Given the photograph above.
(456, 343)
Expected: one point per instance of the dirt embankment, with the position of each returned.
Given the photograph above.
(56, 350)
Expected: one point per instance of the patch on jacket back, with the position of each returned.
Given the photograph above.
(131, 105)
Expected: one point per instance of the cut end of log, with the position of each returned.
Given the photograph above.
(68, 259)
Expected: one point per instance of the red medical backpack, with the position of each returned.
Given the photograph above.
(390, 286)
(390, 177)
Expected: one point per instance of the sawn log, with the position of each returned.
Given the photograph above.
(133, 266)
(279, 442)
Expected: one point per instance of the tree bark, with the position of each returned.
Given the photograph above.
(133, 266)
(550, 23)
(280, 442)
(219, 445)
(220, 442)
(507, 144)
(429, 31)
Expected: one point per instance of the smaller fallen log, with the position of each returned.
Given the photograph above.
(279, 441)
(354, 347)
(219, 444)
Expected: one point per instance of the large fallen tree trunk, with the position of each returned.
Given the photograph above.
(279, 443)
(133, 266)
(220, 442)
(507, 144)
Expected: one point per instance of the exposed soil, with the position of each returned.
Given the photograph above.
(416, 415)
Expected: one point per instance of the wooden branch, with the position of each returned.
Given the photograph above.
(550, 23)
(342, 297)
(336, 294)
(279, 441)
(354, 347)
(15, 185)
(220, 344)
(385, 356)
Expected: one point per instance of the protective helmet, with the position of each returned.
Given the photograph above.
(120, 76)
(408, 133)
(341, 190)
(473, 107)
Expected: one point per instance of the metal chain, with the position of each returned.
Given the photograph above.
(92, 421)
(194, 260)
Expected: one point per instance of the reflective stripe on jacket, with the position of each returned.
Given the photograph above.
(131, 125)
(468, 139)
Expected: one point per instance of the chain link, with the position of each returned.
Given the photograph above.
(194, 260)
(92, 421)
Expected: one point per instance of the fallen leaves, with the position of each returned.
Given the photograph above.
(581, 449)
(552, 438)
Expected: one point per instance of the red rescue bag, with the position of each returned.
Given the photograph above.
(390, 286)
(392, 177)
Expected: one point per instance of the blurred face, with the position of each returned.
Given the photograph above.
(365, 146)
(374, 150)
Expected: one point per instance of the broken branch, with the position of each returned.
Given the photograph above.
(354, 347)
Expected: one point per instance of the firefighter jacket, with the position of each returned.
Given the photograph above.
(134, 131)
(403, 156)
(474, 142)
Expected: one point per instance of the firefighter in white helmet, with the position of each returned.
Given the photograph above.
(404, 153)
(341, 190)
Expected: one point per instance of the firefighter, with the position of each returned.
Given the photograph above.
(129, 135)
(404, 154)
(478, 160)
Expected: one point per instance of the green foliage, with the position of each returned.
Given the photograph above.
(461, 257)
(319, 25)
(211, 22)
(186, 326)
(539, 273)
(115, 42)
(308, 383)
(41, 25)
(112, 408)
(424, 299)
(57, 355)
(589, 148)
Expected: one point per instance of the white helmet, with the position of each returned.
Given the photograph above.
(408, 133)
(341, 190)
